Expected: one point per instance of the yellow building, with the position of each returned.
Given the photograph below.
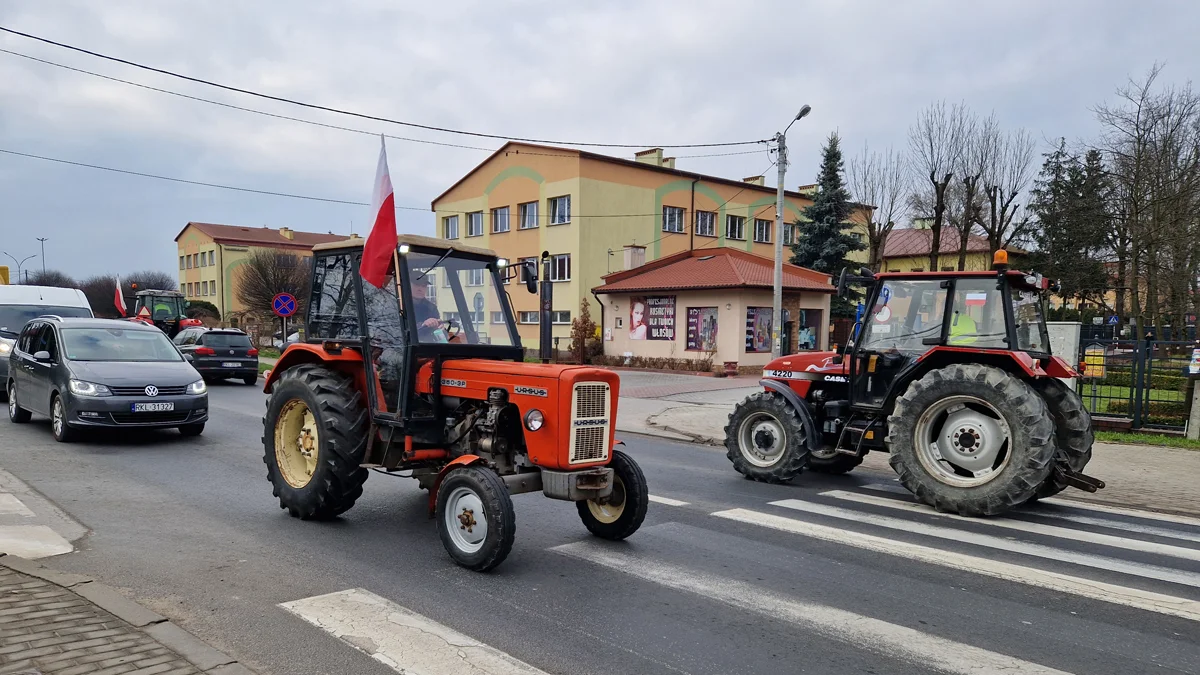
(210, 255)
(596, 214)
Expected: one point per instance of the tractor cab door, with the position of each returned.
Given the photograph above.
(904, 318)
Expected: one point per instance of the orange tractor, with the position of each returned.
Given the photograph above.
(426, 376)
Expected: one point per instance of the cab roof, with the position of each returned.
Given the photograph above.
(411, 240)
(1011, 274)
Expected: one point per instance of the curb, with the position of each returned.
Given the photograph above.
(192, 649)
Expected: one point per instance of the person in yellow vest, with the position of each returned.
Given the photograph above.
(962, 329)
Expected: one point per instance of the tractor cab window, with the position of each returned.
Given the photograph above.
(977, 316)
(1032, 335)
(333, 312)
(456, 309)
(904, 314)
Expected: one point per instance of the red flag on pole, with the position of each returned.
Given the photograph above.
(119, 300)
(381, 243)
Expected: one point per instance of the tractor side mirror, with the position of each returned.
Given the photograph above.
(531, 276)
(842, 282)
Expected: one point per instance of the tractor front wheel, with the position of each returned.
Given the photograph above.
(621, 513)
(765, 439)
(971, 439)
(475, 518)
(314, 438)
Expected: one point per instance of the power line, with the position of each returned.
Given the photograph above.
(375, 118)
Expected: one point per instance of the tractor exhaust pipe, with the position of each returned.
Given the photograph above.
(545, 310)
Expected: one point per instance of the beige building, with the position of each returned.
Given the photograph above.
(713, 303)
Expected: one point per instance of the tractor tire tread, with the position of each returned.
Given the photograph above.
(795, 455)
(498, 508)
(1072, 430)
(637, 501)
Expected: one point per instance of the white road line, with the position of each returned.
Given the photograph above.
(32, 541)
(11, 506)
(400, 638)
(667, 500)
(888, 639)
(999, 543)
(1133, 513)
(1088, 588)
(1025, 526)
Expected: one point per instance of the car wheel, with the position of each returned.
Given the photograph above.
(250, 380)
(16, 413)
(63, 433)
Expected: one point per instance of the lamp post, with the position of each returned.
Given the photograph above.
(43, 241)
(777, 303)
(19, 263)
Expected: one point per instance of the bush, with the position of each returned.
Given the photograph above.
(199, 309)
(1157, 412)
(703, 365)
(1158, 380)
(583, 334)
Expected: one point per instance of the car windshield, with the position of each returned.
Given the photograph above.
(14, 317)
(226, 340)
(457, 299)
(117, 344)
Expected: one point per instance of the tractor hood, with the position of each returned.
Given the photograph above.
(808, 362)
(472, 378)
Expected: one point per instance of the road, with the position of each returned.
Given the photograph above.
(828, 575)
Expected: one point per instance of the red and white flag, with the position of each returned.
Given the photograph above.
(381, 243)
(119, 300)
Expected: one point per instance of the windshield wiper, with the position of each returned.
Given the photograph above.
(434, 265)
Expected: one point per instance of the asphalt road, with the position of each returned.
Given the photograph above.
(847, 577)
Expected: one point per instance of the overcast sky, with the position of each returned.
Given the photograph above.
(650, 72)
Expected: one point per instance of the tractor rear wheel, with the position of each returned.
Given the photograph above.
(475, 518)
(620, 514)
(314, 438)
(830, 461)
(765, 439)
(1072, 431)
(971, 439)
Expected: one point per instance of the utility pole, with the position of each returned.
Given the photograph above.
(777, 301)
(43, 240)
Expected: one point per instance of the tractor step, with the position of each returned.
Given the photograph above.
(1078, 480)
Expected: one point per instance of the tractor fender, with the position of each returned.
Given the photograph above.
(461, 460)
(801, 406)
(302, 352)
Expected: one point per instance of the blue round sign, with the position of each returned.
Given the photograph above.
(284, 304)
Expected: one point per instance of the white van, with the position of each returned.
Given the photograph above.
(21, 304)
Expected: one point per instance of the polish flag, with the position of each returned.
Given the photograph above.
(119, 300)
(381, 243)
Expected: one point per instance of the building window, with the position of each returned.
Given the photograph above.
(286, 260)
(762, 231)
(183, 287)
(949, 268)
(560, 316)
(203, 259)
(706, 223)
(497, 317)
(212, 257)
(450, 316)
(560, 209)
(182, 264)
(917, 269)
(475, 224)
(525, 268)
(672, 219)
(203, 284)
(527, 213)
(475, 277)
(189, 261)
(560, 267)
(527, 317)
(789, 233)
(195, 260)
(500, 219)
(450, 227)
(735, 227)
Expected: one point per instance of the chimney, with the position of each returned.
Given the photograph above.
(754, 180)
(635, 256)
(669, 162)
(287, 233)
(652, 156)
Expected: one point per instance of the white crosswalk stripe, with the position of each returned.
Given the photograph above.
(667, 501)
(894, 641)
(11, 506)
(1121, 511)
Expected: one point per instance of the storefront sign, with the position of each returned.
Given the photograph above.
(701, 328)
(652, 318)
(758, 329)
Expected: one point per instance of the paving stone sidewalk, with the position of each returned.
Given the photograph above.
(53, 623)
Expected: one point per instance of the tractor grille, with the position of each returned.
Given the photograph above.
(590, 424)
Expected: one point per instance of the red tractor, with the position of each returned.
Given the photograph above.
(427, 376)
(949, 372)
(165, 310)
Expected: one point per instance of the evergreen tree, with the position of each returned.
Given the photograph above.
(822, 244)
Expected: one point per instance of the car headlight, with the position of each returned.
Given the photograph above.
(197, 387)
(534, 419)
(81, 388)
(5, 347)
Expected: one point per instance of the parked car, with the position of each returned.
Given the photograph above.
(220, 353)
(21, 304)
(85, 373)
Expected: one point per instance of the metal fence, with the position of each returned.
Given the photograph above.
(1136, 383)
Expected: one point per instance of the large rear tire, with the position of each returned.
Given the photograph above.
(971, 439)
(1072, 431)
(475, 518)
(765, 439)
(314, 438)
(620, 514)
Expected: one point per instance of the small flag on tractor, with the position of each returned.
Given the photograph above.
(381, 243)
(119, 300)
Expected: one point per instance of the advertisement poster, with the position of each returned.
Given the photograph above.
(758, 329)
(652, 318)
(701, 328)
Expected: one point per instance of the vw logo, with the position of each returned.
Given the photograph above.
(151, 390)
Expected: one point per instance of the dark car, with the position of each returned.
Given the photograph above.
(220, 353)
(103, 373)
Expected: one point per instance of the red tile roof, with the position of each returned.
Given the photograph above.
(712, 269)
(261, 236)
(907, 242)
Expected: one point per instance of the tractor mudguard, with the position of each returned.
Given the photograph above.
(348, 360)
(801, 406)
(461, 460)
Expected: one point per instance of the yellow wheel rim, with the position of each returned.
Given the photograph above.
(609, 509)
(297, 443)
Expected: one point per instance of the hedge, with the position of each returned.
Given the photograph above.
(1157, 410)
(1158, 380)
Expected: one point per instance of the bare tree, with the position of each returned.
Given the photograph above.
(1007, 176)
(935, 143)
(52, 278)
(267, 273)
(879, 180)
(148, 280)
(980, 139)
(100, 292)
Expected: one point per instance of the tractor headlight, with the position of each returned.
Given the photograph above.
(501, 263)
(534, 419)
(404, 249)
(198, 387)
(81, 388)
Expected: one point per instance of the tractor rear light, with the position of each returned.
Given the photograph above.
(534, 419)
(205, 351)
(251, 352)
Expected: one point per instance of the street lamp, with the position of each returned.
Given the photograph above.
(777, 302)
(19, 263)
(43, 240)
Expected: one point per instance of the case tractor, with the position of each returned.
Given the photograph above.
(949, 372)
(165, 310)
(426, 378)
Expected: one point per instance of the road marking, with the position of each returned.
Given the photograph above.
(1065, 583)
(899, 642)
(1000, 543)
(1035, 528)
(400, 638)
(667, 500)
(32, 541)
(10, 506)
(1135, 513)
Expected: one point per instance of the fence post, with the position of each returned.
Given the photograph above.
(1139, 371)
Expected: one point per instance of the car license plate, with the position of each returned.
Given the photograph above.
(153, 407)
(231, 364)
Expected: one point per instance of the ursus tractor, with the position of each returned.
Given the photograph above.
(426, 376)
(949, 372)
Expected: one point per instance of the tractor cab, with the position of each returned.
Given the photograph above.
(165, 310)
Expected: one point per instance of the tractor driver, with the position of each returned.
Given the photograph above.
(427, 317)
(963, 329)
